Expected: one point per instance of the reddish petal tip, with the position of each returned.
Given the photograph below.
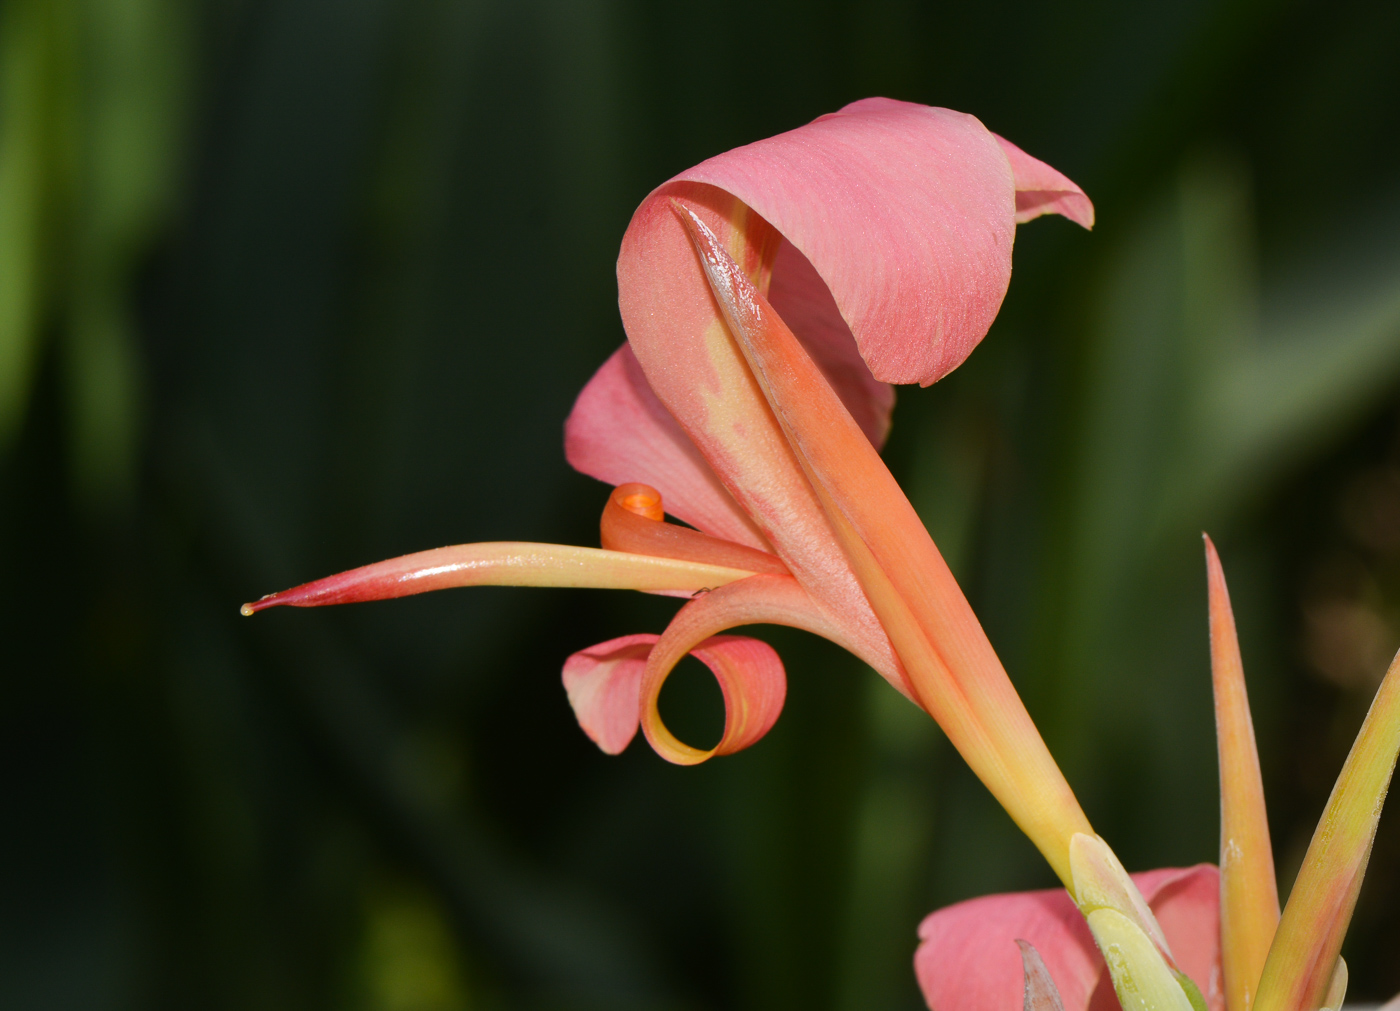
(266, 600)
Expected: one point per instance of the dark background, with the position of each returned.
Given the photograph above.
(293, 285)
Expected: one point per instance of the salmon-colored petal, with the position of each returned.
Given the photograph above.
(619, 432)
(801, 297)
(1041, 189)
(968, 960)
(604, 685)
(502, 563)
(908, 214)
(751, 697)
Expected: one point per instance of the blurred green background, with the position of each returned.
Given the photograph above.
(287, 286)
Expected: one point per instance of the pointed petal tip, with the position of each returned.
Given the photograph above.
(1041, 993)
(1041, 189)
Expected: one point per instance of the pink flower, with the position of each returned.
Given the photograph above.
(770, 295)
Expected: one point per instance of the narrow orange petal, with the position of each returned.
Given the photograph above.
(1303, 957)
(502, 563)
(955, 671)
(633, 522)
(1248, 890)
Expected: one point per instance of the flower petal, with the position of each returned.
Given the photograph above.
(604, 684)
(801, 297)
(967, 961)
(1249, 891)
(908, 214)
(619, 432)
(751, 693)
(502, 563)
(1041, 189)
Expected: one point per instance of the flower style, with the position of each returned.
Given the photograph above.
(1223, 926)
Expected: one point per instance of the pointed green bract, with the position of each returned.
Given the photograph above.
(1304, 957)
(1248, 890)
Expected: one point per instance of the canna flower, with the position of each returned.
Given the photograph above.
(770, 297)
(1223, 926)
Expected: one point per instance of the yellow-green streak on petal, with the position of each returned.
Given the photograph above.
(504, 563)
(1303, 959)
(1248, 890)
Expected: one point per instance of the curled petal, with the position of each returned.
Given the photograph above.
(907, 213)
(1041, 189)
(619, 432)
(967, 959)
(502, 563)
(633, 521)
(751, 686)
(604, 684)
